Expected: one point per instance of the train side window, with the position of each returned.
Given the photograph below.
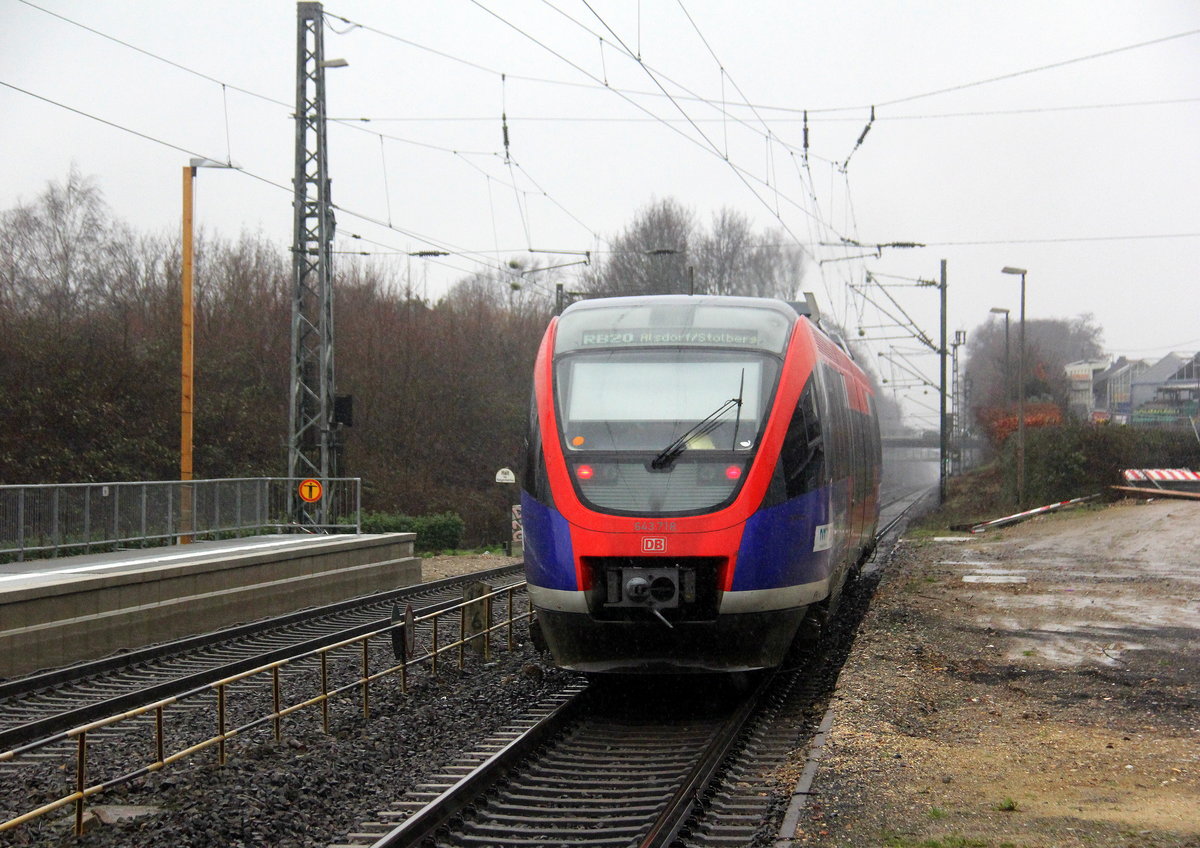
(803, 455)
(874, 444)
(535, 480)
(837, 422)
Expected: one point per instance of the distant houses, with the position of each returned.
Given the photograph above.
(1140, 392)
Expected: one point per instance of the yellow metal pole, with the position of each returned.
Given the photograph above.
(186, 370)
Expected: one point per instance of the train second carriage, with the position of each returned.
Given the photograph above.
(702, 472)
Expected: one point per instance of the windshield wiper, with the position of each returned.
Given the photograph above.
(671, 452)
(737, 422)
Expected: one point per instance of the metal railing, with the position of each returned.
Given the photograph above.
(498, 621)
(47, 520)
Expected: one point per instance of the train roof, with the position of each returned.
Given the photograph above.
(691, 320)
(806, 307)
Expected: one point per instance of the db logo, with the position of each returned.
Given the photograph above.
(654, 544)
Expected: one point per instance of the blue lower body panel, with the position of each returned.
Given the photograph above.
(549, 560)
(786, 545)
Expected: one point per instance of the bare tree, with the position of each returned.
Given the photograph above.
(664, 252)
(731, 259)
(1050, 344)
(650, 257)
(57, 248)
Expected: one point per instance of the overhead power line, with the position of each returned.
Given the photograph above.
(690, 96)
(633, 119)
(1038, 69)
(108, 123)
(163, 59)
(455, 250)
(1063, 239)
(462, 154)
(816, 113)
(706, 144)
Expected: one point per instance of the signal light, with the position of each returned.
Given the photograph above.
(584, 472)
(733, 472)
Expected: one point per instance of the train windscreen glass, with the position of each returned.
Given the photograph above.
(644, 400)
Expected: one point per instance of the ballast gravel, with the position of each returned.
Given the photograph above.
(309, 788)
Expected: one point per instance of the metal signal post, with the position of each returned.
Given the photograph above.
(312, 429)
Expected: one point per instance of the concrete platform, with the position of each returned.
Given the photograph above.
(61, 611)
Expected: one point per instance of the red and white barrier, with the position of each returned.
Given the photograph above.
(1162, 474)
(1029, 513)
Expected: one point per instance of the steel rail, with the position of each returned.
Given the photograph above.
(660, 828)
(668, 823)
(20, 734)
(657, 830)
(68, 674)
(425, 823)
(80, 734)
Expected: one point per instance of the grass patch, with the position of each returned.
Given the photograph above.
(897, 841)
(970, 498)
(1008, 805)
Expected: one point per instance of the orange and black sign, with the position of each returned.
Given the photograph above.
(310, 490)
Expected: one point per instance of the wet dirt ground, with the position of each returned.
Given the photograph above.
(1033, 686)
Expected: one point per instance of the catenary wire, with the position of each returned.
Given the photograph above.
(225, 86)
(743, 174)
(460, 251)
(1040, 68)
(1031, 110)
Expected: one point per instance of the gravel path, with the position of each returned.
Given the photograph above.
(1035, 686)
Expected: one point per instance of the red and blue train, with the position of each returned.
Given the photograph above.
(701, 473)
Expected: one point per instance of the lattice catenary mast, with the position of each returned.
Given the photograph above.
(312, 430)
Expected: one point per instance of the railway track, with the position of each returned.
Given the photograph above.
(702, 800)
(38, 706)
(606, 768)
(692, 763)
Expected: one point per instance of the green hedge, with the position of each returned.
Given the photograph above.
(439, 532)
(1075, 460)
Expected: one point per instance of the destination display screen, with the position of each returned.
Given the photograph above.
(676, 322)
(727, 337)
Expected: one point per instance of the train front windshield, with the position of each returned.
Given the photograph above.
(662, 432)
(661, 401)
(648, 400)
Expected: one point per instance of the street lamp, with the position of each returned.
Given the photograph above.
(1000, 310)
(186, 371)
(1020, 391)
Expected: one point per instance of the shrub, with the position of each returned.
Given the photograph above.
(1074, 460)
(438, 532)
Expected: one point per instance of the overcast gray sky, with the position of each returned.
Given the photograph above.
(1062, 137)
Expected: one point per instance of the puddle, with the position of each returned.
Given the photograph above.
(1072, 652)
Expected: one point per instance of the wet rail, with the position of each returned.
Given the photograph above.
(257, 700)
(625, 730)
(612, 765)
(589, 773)
(39, 705)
